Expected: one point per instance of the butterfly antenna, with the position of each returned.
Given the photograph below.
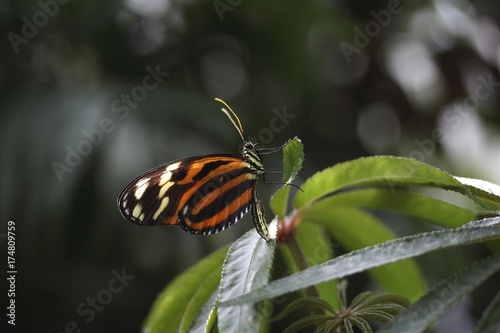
(231, 117)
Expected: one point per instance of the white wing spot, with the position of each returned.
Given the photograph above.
(172, 167)
(164, 189)
(142, 181)
(137, 211)
(165, 177)
(139, 191)
(163, 204)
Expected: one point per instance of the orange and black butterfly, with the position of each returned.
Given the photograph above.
(202, 194)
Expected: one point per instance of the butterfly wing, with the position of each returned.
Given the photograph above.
(204, 194)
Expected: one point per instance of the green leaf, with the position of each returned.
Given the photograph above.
(206, 317)
(367, 258)
(372, 298)
(441, 298)
(306, 321)
(308, 302)
(293, 156)
(412, 204)
(378, 306)
(355, 229)
(387, 171)
(278, 202)
(199, 299)
(329, 326)
(348, 326)
(490, 321)
(246, 267)
(360, 323)
(185, 295)
(487, 193)
(316, 247)
(377, 315)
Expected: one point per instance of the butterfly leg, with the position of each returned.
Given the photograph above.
(258, 217)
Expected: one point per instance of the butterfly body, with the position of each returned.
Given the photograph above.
(202, 194)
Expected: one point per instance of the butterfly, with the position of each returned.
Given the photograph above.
(202, 194)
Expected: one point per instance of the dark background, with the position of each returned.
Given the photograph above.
(355, 78)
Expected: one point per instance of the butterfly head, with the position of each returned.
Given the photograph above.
(249, 146)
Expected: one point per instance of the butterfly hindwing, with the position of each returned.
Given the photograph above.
(218, 202)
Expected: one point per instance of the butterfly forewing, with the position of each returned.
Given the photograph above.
(203, 194)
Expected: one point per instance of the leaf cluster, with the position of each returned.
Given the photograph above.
(232, 290)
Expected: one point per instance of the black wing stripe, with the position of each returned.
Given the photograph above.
(222, 201)
(209, 167)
